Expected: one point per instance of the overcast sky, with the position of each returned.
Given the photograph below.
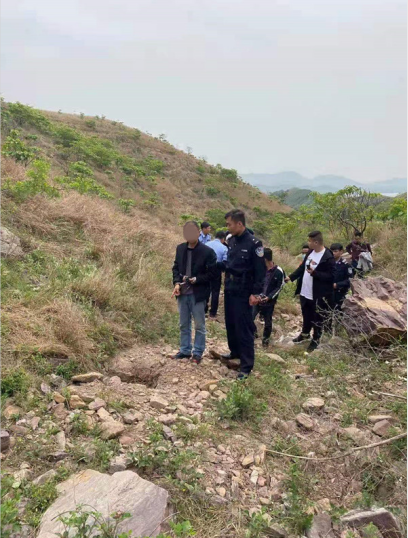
(318, 87)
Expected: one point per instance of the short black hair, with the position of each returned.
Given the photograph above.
(237, 215)
(305, 245)
(195, 223)
(317, 236)
(336, 246)
(268, 254)
(220, 235)
(358, 234)
(205, 224)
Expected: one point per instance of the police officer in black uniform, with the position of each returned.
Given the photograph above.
(342, 274)
(244, 275)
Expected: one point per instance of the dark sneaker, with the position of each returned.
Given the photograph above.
(213, 318)
(228, 357)
(241, 376)
(196, 359)
(180, 355)
(301, 338)
(314, 344)
(265, 343)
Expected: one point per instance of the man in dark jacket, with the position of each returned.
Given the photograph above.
(315, 278)
(244, 275)
(273, 283)
(193, 269)
(355, 248)
(342, 274)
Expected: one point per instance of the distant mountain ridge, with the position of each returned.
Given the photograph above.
(324, 183)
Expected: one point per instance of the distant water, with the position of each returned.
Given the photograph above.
(391, 194)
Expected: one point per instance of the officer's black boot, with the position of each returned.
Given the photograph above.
(301, 338)
(228, 356)
(265, 342)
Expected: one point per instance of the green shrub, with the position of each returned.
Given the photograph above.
(201, 169)
(230, 174)
(80, 178)
(89, 523)
(25, 115)
(15, 382)
(212, 191)
(153, 165)
(126, 204)
(39, 499)
(91, 124)
(66, 136)
(240, 404)
(18, 150)
(10, 524)
(36, 184)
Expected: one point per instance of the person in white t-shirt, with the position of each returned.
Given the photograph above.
(315, 278)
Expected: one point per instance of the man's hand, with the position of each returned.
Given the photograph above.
(335, 286)
(310, 270)
(253, 300)
(264, 300)
(176, 291)
(287, 279)
(193, 280)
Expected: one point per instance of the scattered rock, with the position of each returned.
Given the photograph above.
(45, 389)
(323, 505)
(207, 384)
(169, 434)
(60, 412)
(57, 397)
(313, 404)
(254, 477)
(34, 422)
(19, 430)
(75, 402)
(137, 369)
(381, 518)
(42, 479)
(87, 392)
(305, 421)
(321, 527)
(275, 358)
(121, 492)
(247, 460)
(378, 418)
(111, 429)
(118, 464)
(10, 244)
(131, 416)
(5, 440)
(276, 531)
(126, 440)
(168, 420)
(86, 378)
(221, 491)
(12, 411)
(97, 404)
(103, 414)
(61, 441)
(58, 456)
(382, 428)
(359, 437)
(25, 473)
(157, 402)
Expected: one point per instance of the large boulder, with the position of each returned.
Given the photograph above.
(10, 245)
(377, 309)
(137, 369)
(123, 491)
(380, 517)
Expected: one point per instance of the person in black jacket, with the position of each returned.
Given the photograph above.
(342, 274)
(273, 283)
(244, 275)
(315, 278)
(193, 269)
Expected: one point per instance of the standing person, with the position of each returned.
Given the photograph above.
(219, 247)
(205, 236)
(303, 254)
(273, 283)
(194, 267)
(244, 275)
(342, 274)
(356, 248)
(315, 278)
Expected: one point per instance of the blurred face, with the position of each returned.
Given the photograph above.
(207, 230)
(234, 228)
(305, 250)
(357, 239)
(191, 233)
(337, 254)
(313, 244)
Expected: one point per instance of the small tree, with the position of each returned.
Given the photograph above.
(349, 209)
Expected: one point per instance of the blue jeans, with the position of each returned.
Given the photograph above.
(188, 308)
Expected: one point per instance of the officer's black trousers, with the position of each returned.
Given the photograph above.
(267, 312)
(240, 329)
(215, 294)
(316, 315)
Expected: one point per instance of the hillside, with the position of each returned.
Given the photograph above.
(294, 197)
(96, 208)
(323, 183)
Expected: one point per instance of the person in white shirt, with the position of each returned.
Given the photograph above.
(315, 278)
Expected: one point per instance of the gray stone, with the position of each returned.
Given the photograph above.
(12, 411)
(359, 437)
(158, 402)
(58, 456)
(87, 378)
(377, 418)
(276, 531)
(382, 428)
(42, 479)
(132, 416)
(10, 244)
(122, 492)
(5, 440)
(381, 518)
(313, 404)
(45, 389)
(305, 421)
(321, 527)
(275, 358)
(97, 404)
(137, 369)
(61, 441)
(118, 464)
(168, 420)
